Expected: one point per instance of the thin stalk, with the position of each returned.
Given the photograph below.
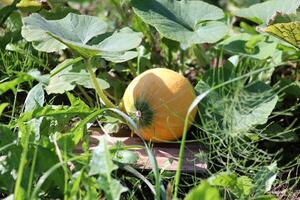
(32, 170)
(65, 65)
(86, 96)
(23, 160)
(98, 89)
(63, 164)
(120, 10)
(14, 106)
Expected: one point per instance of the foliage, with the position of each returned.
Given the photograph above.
(64, 66)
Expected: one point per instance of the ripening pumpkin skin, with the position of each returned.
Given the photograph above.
(158, 100)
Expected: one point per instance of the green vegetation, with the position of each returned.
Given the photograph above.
(64, 67)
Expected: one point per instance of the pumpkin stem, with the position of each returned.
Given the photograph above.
(138, 114)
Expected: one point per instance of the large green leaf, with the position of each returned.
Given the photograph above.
(73, 28)
(75, 31)
(261, 13)
(187, 22)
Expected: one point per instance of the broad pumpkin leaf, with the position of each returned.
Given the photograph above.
(75, 31)
(261, 13)
(188, 22)
(73, 28)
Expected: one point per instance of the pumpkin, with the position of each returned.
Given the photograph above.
(158, 100)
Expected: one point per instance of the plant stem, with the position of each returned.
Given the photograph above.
(98, 89)
(32, 170)
(26, 134)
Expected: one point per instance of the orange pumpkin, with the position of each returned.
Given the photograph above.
(158, 100)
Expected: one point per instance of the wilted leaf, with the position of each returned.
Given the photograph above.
(290, 32)
(177, 20)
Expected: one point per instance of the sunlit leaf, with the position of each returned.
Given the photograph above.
(75, 32)
(34, 98)
(290, 32)
(177, 20)
(101, 162)
(204, 192)
(261, 13)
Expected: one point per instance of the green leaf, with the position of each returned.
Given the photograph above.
(112, 189)
(6, 135)
(277, 133)
(292, 87)
(261, 13)
(101, 162)
(251, 46)
(11, 85)
(265, 178)
(204, 192)
(2, 107)
(76, 31)
(126, 157)
(265, 197)
(256, 105)
(177, 20)
(67, 78)
(240, 186)
(35, 98)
